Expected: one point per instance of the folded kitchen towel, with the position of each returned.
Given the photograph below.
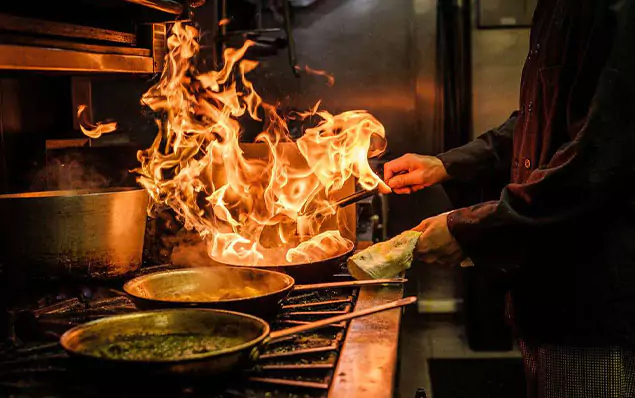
(385, 259)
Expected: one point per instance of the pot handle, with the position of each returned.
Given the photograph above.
(331, 285)
(328, 321)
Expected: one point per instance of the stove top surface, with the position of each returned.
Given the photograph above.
(32, 363)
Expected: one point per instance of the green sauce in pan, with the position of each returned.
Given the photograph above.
(162, 347)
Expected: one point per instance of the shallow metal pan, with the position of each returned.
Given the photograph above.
(250, 334)
(173, 288)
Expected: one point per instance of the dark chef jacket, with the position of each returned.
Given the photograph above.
(564, 228)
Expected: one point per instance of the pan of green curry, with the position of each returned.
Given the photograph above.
(185, 341)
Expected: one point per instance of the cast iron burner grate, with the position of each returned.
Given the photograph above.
(32, 364)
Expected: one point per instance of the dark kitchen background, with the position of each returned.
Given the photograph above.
(435, 73)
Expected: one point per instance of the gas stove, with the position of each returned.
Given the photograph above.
(32, 363)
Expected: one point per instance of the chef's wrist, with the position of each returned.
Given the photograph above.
(442, 168)
(464, 261)
(468, 234)
(441, 171)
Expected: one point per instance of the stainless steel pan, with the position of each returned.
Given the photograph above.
(188, 288)
(249, 334)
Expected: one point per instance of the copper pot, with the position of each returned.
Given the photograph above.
(93, 233)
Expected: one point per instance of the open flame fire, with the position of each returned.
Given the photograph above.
(93, 130)
(246, 208)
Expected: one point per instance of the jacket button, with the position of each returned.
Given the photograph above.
(515, 164)
(530, 107)
(527, 163)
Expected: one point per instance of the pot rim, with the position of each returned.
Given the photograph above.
(68, 193)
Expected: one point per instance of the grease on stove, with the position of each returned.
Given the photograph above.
(315, 296)
(300, 343)
(330, 358)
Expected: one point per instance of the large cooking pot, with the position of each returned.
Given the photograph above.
(92, 233)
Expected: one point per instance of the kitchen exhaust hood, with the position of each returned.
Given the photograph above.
(114, 36)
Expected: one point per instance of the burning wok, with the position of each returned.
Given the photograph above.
(304, 272)
(235, 339)
(246, 203)
(249, 290)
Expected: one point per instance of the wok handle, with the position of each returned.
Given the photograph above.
(356, 197)
(346, 201)
(330, 285)
(328, 321)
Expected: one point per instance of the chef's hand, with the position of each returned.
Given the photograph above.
(436, 244)
(411, 173)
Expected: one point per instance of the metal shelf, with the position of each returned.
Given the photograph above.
(15, 57)
(167, 6)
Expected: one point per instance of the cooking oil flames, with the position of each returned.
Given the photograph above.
(93, 130)
(246, 207)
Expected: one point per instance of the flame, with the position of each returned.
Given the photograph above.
(246, 207)
(330, 79)
(93, 130)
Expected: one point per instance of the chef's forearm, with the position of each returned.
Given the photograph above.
(485, 236)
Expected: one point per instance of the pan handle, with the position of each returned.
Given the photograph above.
(328, 321)
(330, 285)
(356, 197)
(346, 201)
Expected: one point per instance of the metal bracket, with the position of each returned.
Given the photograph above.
(81, 94)
(159, 45)
(293, 59)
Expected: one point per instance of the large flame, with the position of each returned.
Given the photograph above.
(246, 208)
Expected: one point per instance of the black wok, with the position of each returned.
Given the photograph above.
(322, 270)
(186, 287)
(249, 335)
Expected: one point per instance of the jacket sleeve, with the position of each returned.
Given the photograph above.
(488, 154)
(583, 181)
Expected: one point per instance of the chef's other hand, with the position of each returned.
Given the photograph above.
(411, 173)
(436, 244)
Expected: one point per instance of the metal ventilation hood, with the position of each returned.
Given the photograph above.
(35, 42)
